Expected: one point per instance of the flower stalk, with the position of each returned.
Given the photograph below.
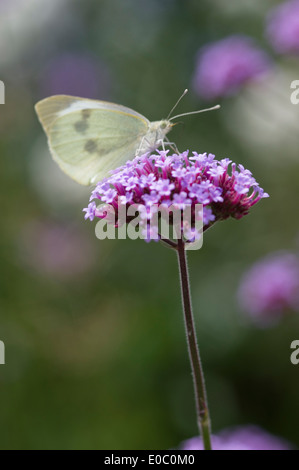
(203, 416)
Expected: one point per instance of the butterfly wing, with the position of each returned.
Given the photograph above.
(87, 138)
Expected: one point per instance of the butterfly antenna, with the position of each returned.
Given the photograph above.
(173, 108)
(196, 112)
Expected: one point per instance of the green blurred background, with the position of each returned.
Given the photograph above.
(94, 335)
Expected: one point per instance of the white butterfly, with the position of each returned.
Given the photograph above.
(87, 138)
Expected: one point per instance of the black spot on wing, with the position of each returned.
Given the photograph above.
(86, 113)
(91, 146)
(82, 126)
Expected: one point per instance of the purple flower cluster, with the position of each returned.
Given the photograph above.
(177, 180)
(283, 28)
(270, 288)
(240, 438)
(224, 66)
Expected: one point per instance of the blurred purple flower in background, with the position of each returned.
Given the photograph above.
(283, 28)
(270, 288)
(56, 249)
(224, 66)
(76, 74)
(240, 438)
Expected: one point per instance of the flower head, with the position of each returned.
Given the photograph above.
(224, 66)
(270, 288)
(153, 179)
(240, 438)
(283, 28)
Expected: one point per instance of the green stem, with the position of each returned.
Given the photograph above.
(202, 409)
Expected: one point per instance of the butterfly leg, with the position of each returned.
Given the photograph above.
(161, 142)
(144, 147)
(172, 145)
(138, 150)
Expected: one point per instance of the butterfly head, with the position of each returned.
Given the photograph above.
(155, 135)
(161, 128)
